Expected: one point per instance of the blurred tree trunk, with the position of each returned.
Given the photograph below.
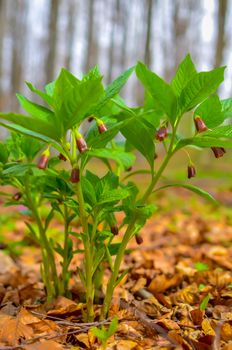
(220, 39)
(115, 9)
(52, 40)
(70, 34)
(124, 13)
(2, 31)
(91, 45)
(18, 28)
(147, 56)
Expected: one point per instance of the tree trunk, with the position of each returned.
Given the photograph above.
(147, 56)
(19, 11)
(114, 20)
(52, 40)
(220, 39)
(70, 33)
(90, 43)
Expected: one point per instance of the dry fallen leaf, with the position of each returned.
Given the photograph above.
(45, 345)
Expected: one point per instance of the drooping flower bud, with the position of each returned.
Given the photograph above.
(81, 144)
(139, 239)
(162, 133)
(17, 196)
(90, 119)
(114, 230)
(75, 175)
(62, 157)
(200, 125)
(129, 169)
(218, 151)
(191, 171)
(101, 126)
(43, 161)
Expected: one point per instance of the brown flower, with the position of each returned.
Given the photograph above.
(191, 171)
(218, 151)
(75, 175)
(43, 162)
(114, 230)
(200, 125)
(162, 133)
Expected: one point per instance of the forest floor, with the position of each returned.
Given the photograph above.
(177, 294)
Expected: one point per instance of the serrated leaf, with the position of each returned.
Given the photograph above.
(73, 99)
(199, 88)
(114, 88)
(194, 189)
(210, 112)
(160, 91)
(184, 73)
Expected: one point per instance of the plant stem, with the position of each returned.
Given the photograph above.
(117, 263)
(50, 271)
(88, 255)
(130, 229)
(65, 278)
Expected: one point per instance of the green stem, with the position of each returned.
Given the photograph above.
(130, 230)
(117, 264)
(65, 278)
(88, 255)
(50, 271)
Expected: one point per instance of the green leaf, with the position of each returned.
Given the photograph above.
(200, 87)
(40, 93)
(36, 135)
(36, 110)
(161, 92)
(223, 131)
(201, 267)
(113, 327)
(205, 301)
(124, 159)
(98, 258)
(34, 124)
(141, 137)
(4, 153)
(204, 142)
(185, 72)
(210, 112)
(227, 107)
(113, 196)
(194, 189)
(114, 88)
(73, 99)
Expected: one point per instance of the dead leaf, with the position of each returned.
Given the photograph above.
(161, 283)
(197, 316)
(45, 345)
(13, 331)
(207, 328)
(226, 331)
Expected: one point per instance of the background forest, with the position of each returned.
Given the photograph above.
(37, 37)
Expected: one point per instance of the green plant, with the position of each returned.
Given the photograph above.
(95, 200)
(104, 334)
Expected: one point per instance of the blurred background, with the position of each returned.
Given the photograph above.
(38, 37)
